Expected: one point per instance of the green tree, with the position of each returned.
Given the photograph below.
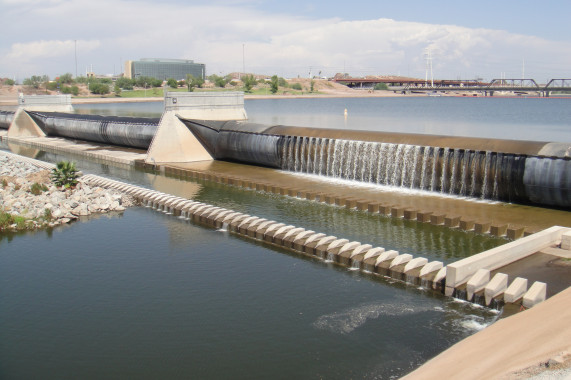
(74, 90)
(66, 78)
(381, 86)
(249, 82)
(311, 85)
(297, 86)
(36, 81)
(190, 82)
(125, 83)
(172, 83)
(274, 84)
(117, 90)
(282, 82)
(218, 80)
(9, 82)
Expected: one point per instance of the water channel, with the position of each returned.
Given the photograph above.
(143, 294)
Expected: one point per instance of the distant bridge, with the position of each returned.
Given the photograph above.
(410, 85)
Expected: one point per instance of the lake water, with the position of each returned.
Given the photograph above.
(535, 119)
(147, 295)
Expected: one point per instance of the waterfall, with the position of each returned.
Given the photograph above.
(444, 176)
(485, 180)
(454, 172)
(478, 174)
(464, 173)
(435, 158)
(425, 161)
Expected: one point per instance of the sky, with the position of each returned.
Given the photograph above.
(465, 39)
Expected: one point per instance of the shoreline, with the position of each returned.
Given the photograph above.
(13, 100)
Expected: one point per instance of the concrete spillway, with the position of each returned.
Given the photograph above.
(512, 171)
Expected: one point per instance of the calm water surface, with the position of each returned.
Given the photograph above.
(146, 295)
(536, 119)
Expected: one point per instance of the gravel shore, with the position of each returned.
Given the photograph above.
(49, 206)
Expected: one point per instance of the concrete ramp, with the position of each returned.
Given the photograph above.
(23, 125)
(174, 142)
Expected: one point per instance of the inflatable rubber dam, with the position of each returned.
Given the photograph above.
(524, 172)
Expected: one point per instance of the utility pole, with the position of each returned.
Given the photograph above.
(244, 59)
(75, 42)
(428, 55)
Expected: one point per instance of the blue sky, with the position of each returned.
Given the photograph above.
(467, 39)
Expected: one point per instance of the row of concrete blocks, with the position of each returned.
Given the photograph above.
(342, 251)
(512, 232)
(483, 290)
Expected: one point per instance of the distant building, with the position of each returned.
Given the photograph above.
(164, 68)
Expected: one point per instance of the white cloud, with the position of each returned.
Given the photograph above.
(111, 31)
(35, 50)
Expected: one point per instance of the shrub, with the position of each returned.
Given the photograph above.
(47, 214)
(381, 86)
(297, 86)
(37, 188)
(4, 182)
(99, 88)
(65, 174)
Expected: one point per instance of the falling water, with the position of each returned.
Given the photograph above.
(446, 170)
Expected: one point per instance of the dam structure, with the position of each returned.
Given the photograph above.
(514, 171)
(524, 172)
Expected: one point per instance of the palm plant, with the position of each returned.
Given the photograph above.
(65, 174)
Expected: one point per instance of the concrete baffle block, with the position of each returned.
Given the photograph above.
(452, 221)
(369, 259)
(303, 243)
(566, 240)
(362, 205)
(384, 209)
(397, 212)
(498, 229)
(323, 242)
(536, 294)
(424, 216)
(477, 282)
(400, 260)
(437, 219)
(516, 290)
(373, 207)
(431, 267)
(495, 287)
(415, 264)
(515, 232)
(482, 227)
(466, 224)
(410, 214)
(289, 237)
(350, 203)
